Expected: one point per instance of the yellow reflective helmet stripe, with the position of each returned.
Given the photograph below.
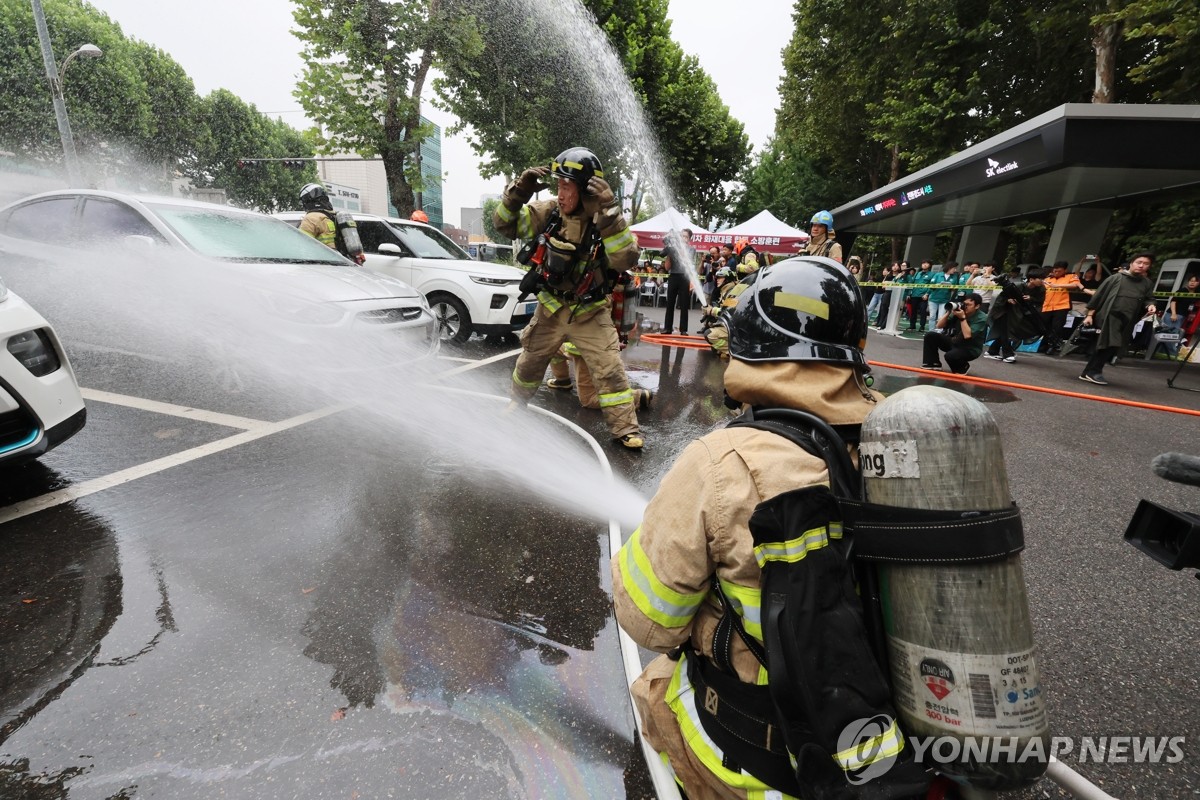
(659, 603)
(599, 173)
(794, 550)
(610, 399)
(885, 745)
(799, 302)
(681, 697)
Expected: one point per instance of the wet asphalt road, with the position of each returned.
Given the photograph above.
(307, 614)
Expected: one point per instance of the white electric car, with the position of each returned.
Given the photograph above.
(53, 243)
(467, 296)
(40, 404)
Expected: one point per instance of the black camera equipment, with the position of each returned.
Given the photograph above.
(1185, 359)
(1168, 536)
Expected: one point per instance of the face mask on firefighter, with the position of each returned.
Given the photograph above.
(560, 257)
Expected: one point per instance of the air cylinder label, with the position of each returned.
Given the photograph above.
(997, 694)
(889, 460)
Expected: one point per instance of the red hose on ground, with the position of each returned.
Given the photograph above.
(1062, 392)
(675, 340)
(699, 342)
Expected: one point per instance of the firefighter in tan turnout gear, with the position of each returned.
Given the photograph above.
(690, 574)
(578, 244)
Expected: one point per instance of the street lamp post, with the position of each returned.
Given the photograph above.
(55, 76)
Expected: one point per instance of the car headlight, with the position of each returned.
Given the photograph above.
(487, 281)
(35, 352)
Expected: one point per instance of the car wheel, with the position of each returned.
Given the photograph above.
(454, 321)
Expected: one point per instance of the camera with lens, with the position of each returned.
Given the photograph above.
(1170, 537)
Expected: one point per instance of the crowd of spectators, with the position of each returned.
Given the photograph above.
(975, 310)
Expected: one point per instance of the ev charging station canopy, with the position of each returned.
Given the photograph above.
(1080, 157)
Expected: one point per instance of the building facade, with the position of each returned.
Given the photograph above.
(368, 179)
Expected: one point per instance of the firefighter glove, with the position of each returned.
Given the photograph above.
(602, 191)
(531, 179)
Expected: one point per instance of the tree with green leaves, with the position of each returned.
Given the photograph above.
(524, 97)
(234, 137)
(136, 119)
(366, 63)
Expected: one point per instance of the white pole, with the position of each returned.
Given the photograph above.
(70, 159)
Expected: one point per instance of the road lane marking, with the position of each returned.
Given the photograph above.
(477, 364)
(199, 414)
(252, 429)
(79, 490)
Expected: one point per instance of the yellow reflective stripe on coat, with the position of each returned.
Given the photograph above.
(659, 603)
(526, 384)
(796, 549)
(553, 304)
(885, 745)
(570, 349)
(681, 697)
(328, 237)
(611, 399)
(505, 213)
(747, 602)
(619, 241)
(524, 223)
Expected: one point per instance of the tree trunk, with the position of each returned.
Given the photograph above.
(1105, 39)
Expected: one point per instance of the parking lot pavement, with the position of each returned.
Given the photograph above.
(328, 606)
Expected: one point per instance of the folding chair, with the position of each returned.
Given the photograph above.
(647, 291)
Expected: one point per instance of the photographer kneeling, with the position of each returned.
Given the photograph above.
(960, 334)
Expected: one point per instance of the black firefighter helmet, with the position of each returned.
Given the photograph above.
(577, 164)
(802, 309)
(313, 195)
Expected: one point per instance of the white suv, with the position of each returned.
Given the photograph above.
(466, 296)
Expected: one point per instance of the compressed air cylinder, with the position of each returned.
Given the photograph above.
(959, 636)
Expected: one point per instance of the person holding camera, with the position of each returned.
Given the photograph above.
(960, 334)
(580, 244)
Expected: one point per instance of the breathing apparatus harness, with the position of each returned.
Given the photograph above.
(553, 264)
(824, 656)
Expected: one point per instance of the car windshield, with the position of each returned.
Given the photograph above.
(430, 243)
(238, 236)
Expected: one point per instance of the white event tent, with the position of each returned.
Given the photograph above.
(766, 232)
(650, 234)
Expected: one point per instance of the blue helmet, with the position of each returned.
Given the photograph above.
(822, 218)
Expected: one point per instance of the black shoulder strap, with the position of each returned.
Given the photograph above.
(818, 438)
(552, 221)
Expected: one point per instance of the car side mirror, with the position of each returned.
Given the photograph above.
(387, 248)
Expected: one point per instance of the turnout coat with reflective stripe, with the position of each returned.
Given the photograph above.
(517, 217)
(695, 527)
